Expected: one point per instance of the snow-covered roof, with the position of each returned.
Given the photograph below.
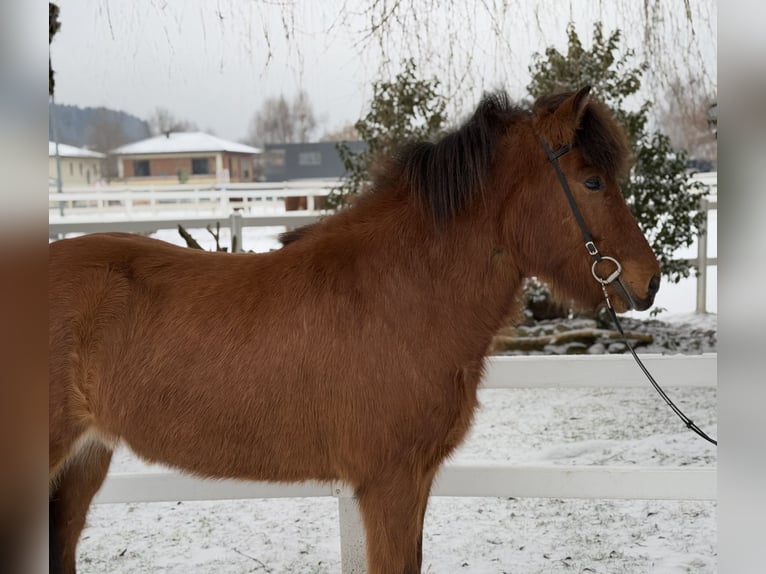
(72, 151)
(183, 142)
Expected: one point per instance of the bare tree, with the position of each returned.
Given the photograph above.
(469, 46)
(441, 36)
(162, 121)
(684, 117)
(105, 134)
(303, 117)
(273, 123)
(281, 122)
(344, 133)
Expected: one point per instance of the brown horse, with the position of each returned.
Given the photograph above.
(353, 353)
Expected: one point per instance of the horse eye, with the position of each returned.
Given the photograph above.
(594, 183)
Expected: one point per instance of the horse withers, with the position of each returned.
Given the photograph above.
(354, 352)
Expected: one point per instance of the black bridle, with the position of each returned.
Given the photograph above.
(616, 275)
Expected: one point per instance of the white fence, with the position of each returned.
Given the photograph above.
(702, 261)
(490, 479)
(214, 199)
(147, 210)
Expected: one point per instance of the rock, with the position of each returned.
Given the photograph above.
(556, 337)
(577, 349)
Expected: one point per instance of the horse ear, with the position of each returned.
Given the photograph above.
(571, 110)
(558, 125)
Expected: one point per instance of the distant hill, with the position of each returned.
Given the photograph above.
(96, 128)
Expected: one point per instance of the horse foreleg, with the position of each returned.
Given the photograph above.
(392, 510)
(75, 487)
(425, 491)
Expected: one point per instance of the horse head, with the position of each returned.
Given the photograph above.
(576, 143)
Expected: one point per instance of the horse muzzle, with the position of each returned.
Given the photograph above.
(632, 300)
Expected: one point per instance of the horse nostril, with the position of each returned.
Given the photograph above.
(654, 285)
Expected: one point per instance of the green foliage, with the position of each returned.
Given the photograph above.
(405, 109)
(610, 73)
(539, 303)
(657, 190)
(664, 202)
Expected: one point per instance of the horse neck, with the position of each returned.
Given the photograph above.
(457, 273)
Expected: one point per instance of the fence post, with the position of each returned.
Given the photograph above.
(235, 226)
(702, 262)
(224, 199)
(353, 551)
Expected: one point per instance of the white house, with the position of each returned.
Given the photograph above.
(194, 157)
(78, 166)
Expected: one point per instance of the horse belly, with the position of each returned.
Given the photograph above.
(250, 437)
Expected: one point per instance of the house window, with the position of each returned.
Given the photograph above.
(71, 168)
(141, 168)
(309, 158)
(199, 166)
(246, 169)
(275, 158)
(80, 168)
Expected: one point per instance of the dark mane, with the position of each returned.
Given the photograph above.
(447, 174)
(600, 138)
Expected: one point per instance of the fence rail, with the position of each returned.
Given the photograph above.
(215, 199)
(236, 221)
(482, 479)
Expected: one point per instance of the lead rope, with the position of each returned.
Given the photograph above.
(597, 258)
(686, 420)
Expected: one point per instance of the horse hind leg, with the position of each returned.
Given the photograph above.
(75, 486)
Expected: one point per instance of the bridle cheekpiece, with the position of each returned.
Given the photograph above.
(590, 245)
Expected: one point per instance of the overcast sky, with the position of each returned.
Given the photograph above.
(215, 61)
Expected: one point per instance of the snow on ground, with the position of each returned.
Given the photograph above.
(468, 535)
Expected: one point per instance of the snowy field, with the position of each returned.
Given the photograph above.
(468, 535)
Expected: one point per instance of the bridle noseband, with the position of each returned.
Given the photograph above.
(616, 275)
